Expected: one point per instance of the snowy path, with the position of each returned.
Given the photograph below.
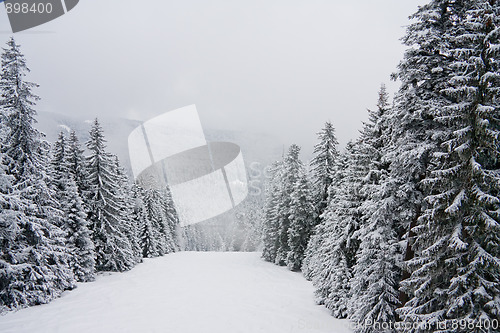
(187, 292)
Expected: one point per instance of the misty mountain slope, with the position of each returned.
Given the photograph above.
(185, 292)
(256, 147)
(234, 230)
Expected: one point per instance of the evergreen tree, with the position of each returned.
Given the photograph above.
(34, 266)
(323, 166)
(148, 236)
(250, 219)
(336, 248)
(270, 223)
(106, 216)
(148, 239)
(130, 225)
(416, 133)
(138, 216)
(455, 274)
(76, 166)
(301, 216)
(11, 206)
(157, 222)
(292, 168)
(160, 232)
(310, 263)
(172, 220)
(78, 237)
(324, 174)
(377, 272)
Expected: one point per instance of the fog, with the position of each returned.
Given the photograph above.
(279, 67)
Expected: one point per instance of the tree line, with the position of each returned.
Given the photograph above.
(66, 215)
(403, 226)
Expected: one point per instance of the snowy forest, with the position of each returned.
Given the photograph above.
(403, 226)
(398, 231)
(65, 215)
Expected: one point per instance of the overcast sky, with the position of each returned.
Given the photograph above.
(271, 66)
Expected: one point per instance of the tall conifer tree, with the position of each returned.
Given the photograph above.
(455, 275)
(73, 223)
(36, 264)
(106, 216)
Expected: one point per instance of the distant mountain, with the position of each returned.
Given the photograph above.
(258, 148)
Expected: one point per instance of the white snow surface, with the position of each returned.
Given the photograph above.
(185, 292)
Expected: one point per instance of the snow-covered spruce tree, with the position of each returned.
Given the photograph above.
(292, 168)
(172, 220)
(335, 254)
(130, 224)
(11, 206)
(189, 238)
(455, 274)
(314, 259)
(301, 217)
(376, 275)
(323, 167)
(9, 201)
(73, 223)
(148, 238)
(35, 265)
(310, 263)
(250, 219)
(76, 166)
(138, 216)
(270, 227)
(149, 241)
(323, 174)
(416, 133)
(107, 222)
(160, 229)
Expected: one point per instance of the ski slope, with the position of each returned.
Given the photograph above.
(186, 292)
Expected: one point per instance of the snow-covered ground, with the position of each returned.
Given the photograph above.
(186, 292)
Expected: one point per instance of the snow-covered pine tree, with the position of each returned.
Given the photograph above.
(292, 168)
(189, 238)
(323, 167)
(301, 217)
(159, 222)
(270, 227)
(59, 164)
(9, 199)
(148, 236)
(313, 263)
(455, 275)
(250, 220)
(35, 268)
(139, 216)
(310, 263)
(377, 272)
(416, 134)
(160, 229)
(336, 249)
(113, 249)
(73, 223)
(323, 174)
(76, 166)
(172, 220)
(130, 225)
(11, 206)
